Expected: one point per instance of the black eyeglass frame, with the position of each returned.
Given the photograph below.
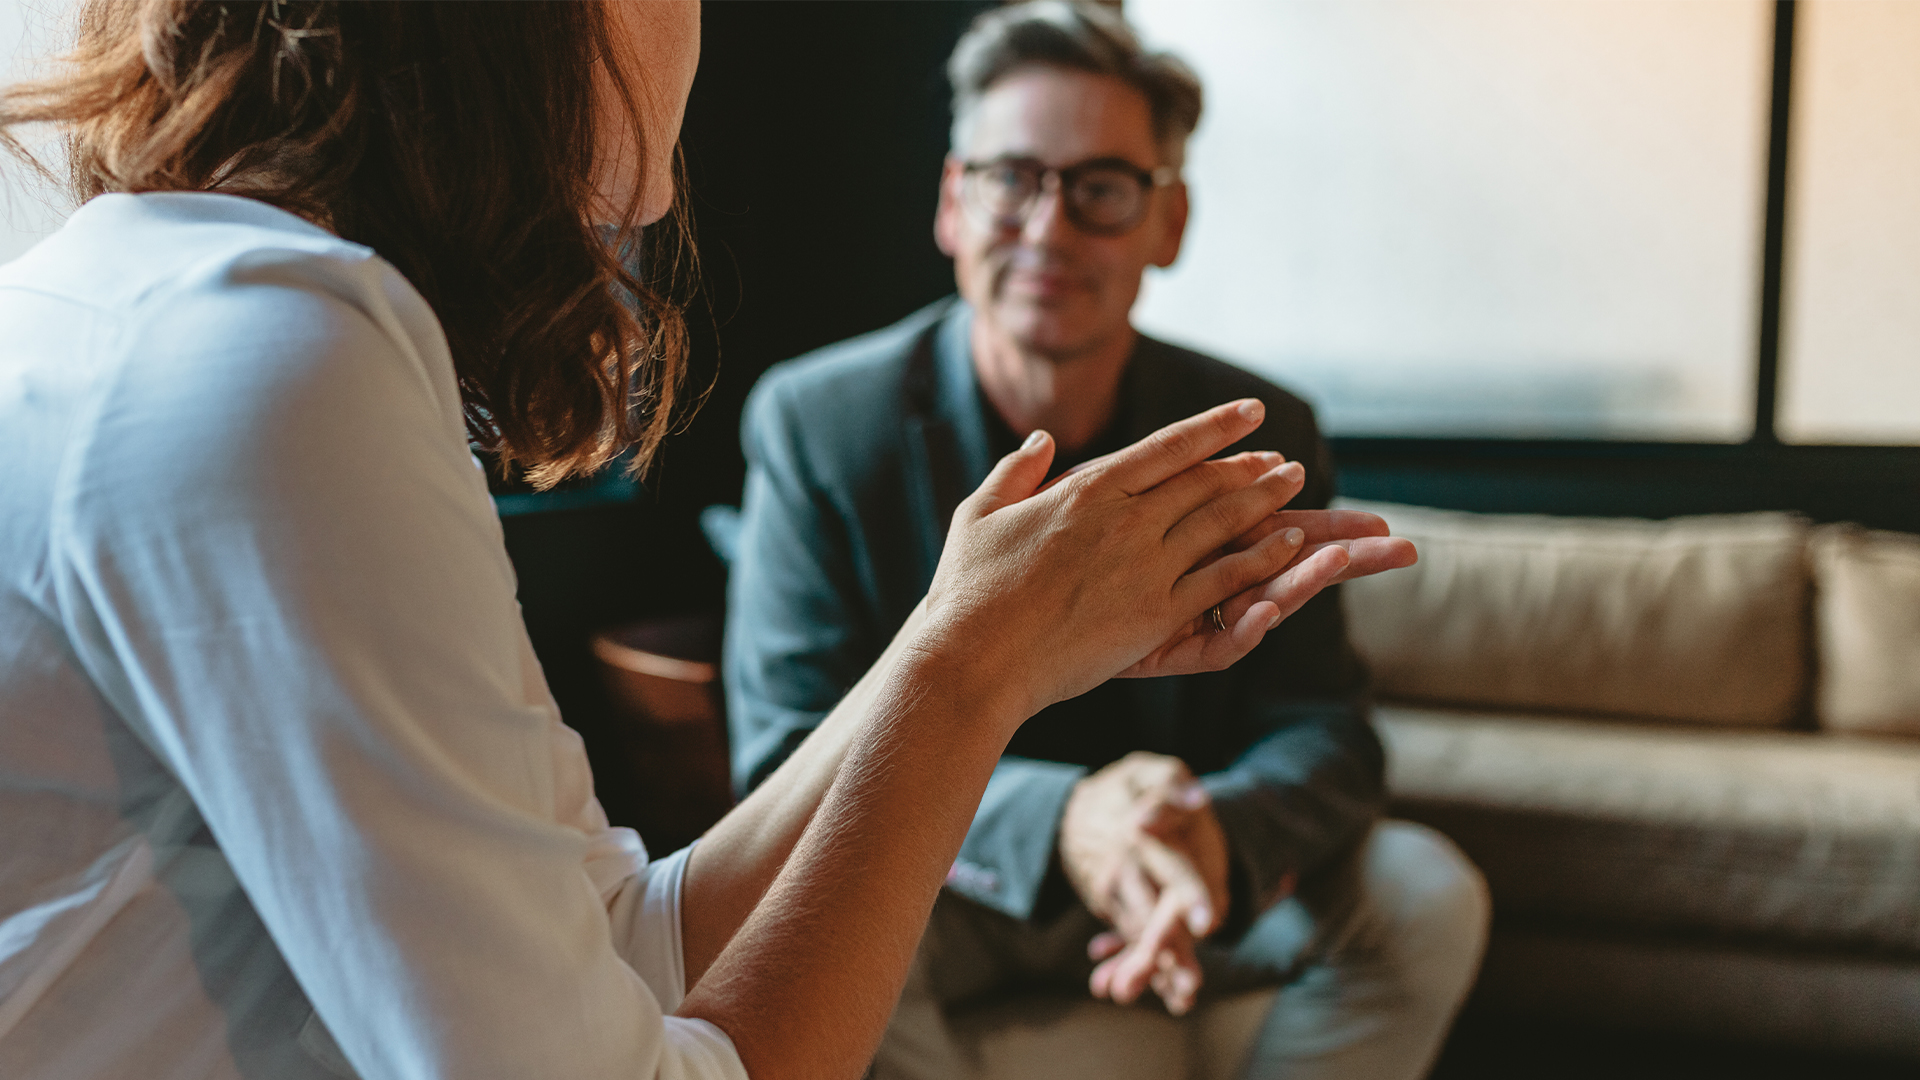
(1066, 176)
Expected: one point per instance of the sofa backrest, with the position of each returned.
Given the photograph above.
(1701, 620)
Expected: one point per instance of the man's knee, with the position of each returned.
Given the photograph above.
(1431, 900)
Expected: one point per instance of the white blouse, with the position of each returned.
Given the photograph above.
(282, 790)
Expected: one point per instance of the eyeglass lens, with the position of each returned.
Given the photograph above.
(1096, 197)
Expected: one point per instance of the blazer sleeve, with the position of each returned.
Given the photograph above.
(1007, 857)
(797, 636)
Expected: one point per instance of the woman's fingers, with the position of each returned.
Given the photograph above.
(1368, 555)
(1199, 646)
(1360, 556)
(1320, 526)
(1299, 583)
(1179, 495)
(1216, 522)
(1284, 573)
(1262, 607)
(1179, 446)
(1230, 575)
(1014, 478)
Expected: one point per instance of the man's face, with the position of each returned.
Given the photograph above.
(1055, 288)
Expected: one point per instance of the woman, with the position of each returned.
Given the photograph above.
(283, 792)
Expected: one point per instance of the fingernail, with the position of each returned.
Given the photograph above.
(1199, 918)
(1294, 537)
(1033, 440)
(1252, 409)
(1273, 622)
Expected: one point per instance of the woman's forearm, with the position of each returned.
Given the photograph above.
(805, 986)
(738, 857)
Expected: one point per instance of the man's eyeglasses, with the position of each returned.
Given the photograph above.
(1105, 196)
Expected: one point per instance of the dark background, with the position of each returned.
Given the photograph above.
(813, 139)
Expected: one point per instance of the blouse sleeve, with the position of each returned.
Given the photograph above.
(277, 559)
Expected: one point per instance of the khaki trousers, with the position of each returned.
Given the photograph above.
(1373, 957)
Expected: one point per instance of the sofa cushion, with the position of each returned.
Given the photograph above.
(1696, 619)
(1786, 836)
(1867, 618)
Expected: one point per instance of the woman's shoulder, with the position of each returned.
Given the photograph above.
(134, 259)
(227, 293)
(237, 348)
(120, 250)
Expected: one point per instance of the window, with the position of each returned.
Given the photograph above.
(1518, 219)
(1850, 348)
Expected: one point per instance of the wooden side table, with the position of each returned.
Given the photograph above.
(662, 678)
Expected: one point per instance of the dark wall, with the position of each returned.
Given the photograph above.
(813, 139)
(1878, 486)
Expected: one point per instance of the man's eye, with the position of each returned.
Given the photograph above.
(1099, 188)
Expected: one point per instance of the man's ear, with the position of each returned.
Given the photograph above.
(946, 216)
(1173, 224)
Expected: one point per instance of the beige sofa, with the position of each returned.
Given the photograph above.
(1685, 753)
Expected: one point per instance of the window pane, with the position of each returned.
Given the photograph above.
(1850, 336)
(1480, 217)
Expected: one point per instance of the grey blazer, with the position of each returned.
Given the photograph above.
(857, 456)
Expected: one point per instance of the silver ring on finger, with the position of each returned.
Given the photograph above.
(1217, 617)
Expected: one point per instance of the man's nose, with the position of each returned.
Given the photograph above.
(1047, 217)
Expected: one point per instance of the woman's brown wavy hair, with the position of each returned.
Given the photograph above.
(455, 139)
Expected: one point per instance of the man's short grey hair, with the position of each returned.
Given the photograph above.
(1080, 37)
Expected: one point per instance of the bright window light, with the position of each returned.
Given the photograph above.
(1478, 217)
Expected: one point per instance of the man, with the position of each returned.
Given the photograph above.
(1096, 856)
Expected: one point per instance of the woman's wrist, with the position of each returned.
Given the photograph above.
(974, 682)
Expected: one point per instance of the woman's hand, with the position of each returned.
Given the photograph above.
(1045, 594)
(1333, 546)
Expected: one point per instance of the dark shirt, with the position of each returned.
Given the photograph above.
(857, 456)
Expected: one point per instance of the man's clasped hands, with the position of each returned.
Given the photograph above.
(1143, 848)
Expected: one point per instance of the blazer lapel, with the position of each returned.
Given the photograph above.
(946, 438)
